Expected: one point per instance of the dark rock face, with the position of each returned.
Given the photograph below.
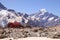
(11, 10)
(25, 15)
(2, 6)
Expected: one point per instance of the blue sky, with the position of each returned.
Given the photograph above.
(32, 6)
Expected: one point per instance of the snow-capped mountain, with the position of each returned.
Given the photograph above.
(11, 16)
(44, 19)
(41, 19)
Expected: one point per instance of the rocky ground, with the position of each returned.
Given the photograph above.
(52, 32)
(30, 38)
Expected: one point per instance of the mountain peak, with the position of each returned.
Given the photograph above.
(43, 10)
(2, 6)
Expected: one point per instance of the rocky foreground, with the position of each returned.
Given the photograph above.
(15, 33)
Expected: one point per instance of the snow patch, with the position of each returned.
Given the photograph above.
(50, 18)
(33, 17)
(26, 21)
(43, 10)
(44, 18)
(37, 18)
(3, 13)
(56, 19)
(18, 19)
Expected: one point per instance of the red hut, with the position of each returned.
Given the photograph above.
(14, 25)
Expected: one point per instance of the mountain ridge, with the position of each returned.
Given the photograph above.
(2, 6)
(41, 19)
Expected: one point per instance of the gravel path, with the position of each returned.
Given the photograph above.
(30, 38)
